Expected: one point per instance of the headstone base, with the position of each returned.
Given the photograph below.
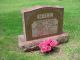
(33, 44)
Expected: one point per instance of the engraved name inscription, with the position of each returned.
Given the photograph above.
(45, 26)
(44, 15)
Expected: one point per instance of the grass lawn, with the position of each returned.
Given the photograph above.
(11, 27)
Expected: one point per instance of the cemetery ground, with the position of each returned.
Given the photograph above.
(11, 27)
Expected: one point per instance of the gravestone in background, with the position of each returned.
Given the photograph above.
(40, 23)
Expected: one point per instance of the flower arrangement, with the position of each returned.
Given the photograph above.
(47, 45)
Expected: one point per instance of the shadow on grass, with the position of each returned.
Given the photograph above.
(53, 51)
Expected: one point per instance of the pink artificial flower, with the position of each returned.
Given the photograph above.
(45, 49)
(48, 41)
(54, 43)
(51, 42)
(42, 44)
(47, 45)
